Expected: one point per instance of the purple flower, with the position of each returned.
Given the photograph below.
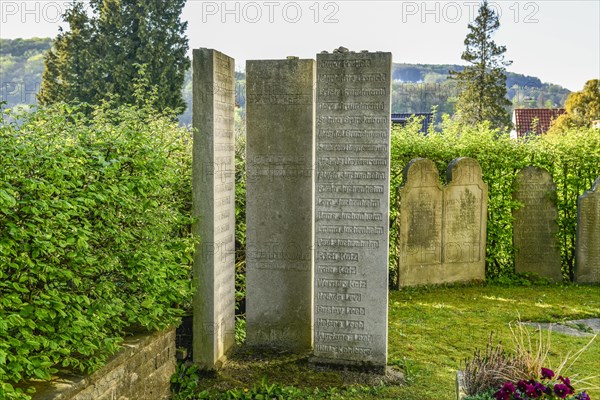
(531, 392)
(506, 392)
(522, 385)
(566, 381)
(539, 388)
(561, 390)
(547, 373)
(508, 388)
(583, 396)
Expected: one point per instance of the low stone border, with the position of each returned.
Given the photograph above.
(460, 389)
(141, 370)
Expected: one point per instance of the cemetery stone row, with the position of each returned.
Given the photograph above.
(318, 153)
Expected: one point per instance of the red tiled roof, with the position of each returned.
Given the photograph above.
(524, 119)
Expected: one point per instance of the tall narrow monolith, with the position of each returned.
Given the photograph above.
(279, 207)
(213, 207)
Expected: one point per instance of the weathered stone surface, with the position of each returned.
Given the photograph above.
(279, 206)
(465, 221)
(142, 370)
(420, 225)
(213, 206)
(534, 228)
(442, 231)
(351, 209)
(587, 257)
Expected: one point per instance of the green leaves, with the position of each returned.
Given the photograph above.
(94, 219)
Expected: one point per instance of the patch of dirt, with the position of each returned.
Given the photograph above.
(248, 366)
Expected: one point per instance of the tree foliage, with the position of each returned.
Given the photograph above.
(482, 83)
(582, 108)
(102, 52)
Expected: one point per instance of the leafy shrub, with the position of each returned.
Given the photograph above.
(240, 225)
(572, 157)
(94, 234)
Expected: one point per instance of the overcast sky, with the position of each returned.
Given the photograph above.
(555, 40)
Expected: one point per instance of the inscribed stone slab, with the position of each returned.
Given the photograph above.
(534, 228)
(352, 207)
(465, 221)
(279, 207)
(213, 206)
(420, 225)
(587, 259)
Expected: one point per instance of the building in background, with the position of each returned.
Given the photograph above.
(533, 121)
(403, 119)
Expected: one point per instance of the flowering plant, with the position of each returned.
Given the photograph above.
(546, 388)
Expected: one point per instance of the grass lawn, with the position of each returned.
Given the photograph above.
(431, 330)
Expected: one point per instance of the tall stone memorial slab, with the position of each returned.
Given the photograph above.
(351, 209)
(279, 209)
(465, 221)
(420, 204)
(213, 206)
(535, 228)
(587, 256)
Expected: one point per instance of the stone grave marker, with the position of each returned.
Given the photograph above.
(465, 221)
(534, 228)
(587, 257)
(352, 208)
(279, 208)
(213, 206)
(420, 225)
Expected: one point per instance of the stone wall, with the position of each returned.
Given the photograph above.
(142, 370)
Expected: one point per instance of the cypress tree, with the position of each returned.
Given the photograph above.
(102, 55)
(482, 83)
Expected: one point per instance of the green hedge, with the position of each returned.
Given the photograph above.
(573, 159)
(94, 235)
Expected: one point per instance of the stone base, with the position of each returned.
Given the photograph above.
(347, 365)
(460, 390)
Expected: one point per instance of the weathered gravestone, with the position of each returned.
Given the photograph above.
(442, 231)
(420, 225)
(465, 221)
(534, 228)
(279, 212)
(213, 206)
(587, 257)
(351, 209)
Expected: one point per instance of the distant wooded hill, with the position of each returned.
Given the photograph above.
(416, 87)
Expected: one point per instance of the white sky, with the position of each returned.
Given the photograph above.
(555, 40)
